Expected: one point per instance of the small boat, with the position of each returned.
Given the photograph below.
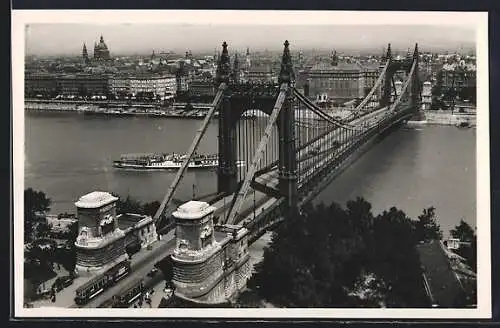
(464, 125)
(166, 161)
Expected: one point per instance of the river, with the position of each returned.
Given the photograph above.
(69, 155)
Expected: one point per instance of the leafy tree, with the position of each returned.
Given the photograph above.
(129, 205)
(35, 202)
(39, 258)
(150, 208)
(467, 249)
(67, 256)
(426, 227)
(395, 261)
(438, 87)
(463, 231)
(322, 255)
(43, 230)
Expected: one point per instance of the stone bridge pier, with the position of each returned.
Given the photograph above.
(210, 264)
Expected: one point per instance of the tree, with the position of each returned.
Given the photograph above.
(320, 256)
(66, 256)
(35, 202)
(438, 87)
(463, 231)
(129, 205)
(43, 230)
(395, 261)
(150, 208)
(468, 245)
(426, 227)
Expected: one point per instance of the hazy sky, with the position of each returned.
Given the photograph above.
(52, 39)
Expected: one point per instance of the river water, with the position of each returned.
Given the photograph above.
(69, 155)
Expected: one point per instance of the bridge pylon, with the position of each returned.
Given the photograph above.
(416, 88)
(227, 177)
(286, 120)
(385, 99)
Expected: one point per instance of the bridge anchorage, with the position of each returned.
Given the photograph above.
(269, 167)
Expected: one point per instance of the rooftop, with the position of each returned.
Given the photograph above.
(341, 66)
(193, 210)
(95, 199)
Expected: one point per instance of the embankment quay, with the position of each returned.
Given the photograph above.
(120, 108)
(117, 108)
(449, 118)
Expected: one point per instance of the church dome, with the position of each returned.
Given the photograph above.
(101, 51)
(102, 45)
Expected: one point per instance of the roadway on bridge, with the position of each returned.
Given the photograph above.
(309, 164)
(261, 200)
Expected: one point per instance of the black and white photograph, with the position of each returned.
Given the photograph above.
(251, 164)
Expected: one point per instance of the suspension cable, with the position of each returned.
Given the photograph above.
(194, 145)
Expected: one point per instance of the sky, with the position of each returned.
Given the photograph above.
(67, 39)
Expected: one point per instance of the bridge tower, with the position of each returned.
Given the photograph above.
(386, 90)
(416, 88)
(286, 121)
(227, 178)
(415, 81)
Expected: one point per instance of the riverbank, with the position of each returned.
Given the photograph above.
(446, 118)
(119, 109)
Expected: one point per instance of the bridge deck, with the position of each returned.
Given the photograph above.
(270, 179)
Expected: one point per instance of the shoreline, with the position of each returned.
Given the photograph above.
(156, 111)
(446, 118)
(115, 109)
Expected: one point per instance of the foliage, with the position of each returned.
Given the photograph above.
(328, 256)
(150, 208)
(438, 87)
(166, 267)
(468, 249)
(42, 230)
(35, 202)
(426, 227)
(463, 231)
(38, 259)
(67, 256)
(130, 205)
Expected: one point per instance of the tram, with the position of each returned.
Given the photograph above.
(100, 283)
(129, 295)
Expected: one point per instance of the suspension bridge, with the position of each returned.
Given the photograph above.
(289, 156)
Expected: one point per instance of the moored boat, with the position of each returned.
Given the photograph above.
(464, 125)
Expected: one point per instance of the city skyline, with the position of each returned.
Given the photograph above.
(207, 38)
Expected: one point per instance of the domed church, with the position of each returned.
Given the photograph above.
(101, 52)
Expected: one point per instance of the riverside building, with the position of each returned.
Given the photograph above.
(342, 81)
(156, 85)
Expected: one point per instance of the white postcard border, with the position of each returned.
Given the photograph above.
(478, 19)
